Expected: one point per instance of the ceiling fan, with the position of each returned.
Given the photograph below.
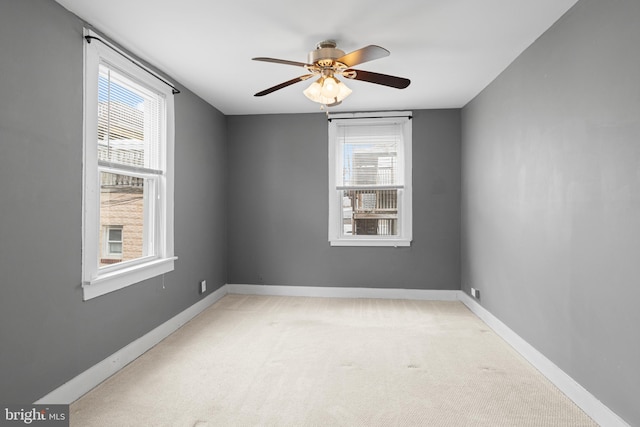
(327, 62)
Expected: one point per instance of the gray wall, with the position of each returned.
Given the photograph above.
(278, 207)
(551, 198)
(48, 334)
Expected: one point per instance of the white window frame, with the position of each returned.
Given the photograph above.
(405, 209)
(97, 280)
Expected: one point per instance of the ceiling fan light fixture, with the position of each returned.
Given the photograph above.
(343, 91)
(327, 61)
(330, 87)
(313, 91)
(327, 91)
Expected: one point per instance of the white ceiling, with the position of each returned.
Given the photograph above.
(450, 49)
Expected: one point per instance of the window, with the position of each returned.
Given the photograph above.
(128, 173)
(370, 179)
(112, 245)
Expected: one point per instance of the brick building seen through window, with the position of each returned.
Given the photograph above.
(120, 135)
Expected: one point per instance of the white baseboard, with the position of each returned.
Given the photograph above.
(339, 292)
(599, 412)
(81, 384)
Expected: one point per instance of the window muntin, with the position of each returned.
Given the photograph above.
(370, 180)
(128, 173)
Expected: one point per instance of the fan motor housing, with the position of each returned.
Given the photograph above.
(325, 54)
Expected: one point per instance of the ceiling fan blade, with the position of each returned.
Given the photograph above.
(281, 61)
(381, 79)
(283, 85)
(367, 53)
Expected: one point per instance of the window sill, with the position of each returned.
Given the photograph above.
(371, 242)
(112, 281)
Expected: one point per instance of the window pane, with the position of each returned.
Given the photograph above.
(115, 234)
(369, 155)
(122, 202)
(128, 120)
(370, 212)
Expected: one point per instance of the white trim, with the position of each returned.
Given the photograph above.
(370, 114)
(598, 411)
(339, 292)
(90, 194)
(76, 387)
(124, 277)
(364, 241)
(81, 384)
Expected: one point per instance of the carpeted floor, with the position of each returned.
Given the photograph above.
(293, 361)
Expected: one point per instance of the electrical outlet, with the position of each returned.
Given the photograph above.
(475, 293)
(203, 286)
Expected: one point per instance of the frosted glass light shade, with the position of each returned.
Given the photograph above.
(327, 91)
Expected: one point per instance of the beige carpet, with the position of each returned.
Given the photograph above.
(292, 361)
